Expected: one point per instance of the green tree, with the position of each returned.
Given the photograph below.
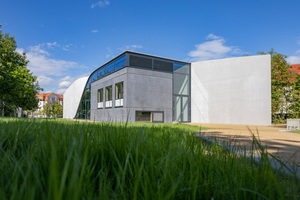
(57, 109)
(282, 85)
(18, 87)
(48, 109)
(295, 100)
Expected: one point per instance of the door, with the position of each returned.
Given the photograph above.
(181, 108)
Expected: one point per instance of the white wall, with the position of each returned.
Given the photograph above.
(232, 91)
(72, 97)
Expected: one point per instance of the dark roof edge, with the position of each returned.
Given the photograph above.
(155, 56)
(137, 53)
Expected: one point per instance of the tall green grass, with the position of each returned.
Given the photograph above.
(49, 159)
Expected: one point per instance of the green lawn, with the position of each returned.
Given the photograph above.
(58, 159)
(298, 132)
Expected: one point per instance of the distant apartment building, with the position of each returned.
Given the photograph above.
(295, 68)
(45, 98)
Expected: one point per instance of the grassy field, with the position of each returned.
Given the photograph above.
(296, 131)
(57, 159)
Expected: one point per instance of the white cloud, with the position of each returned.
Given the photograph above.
(101, 4)
(64, 83)
(94, 31)
(214, 48)
(60, 91)
(212, 37)
(41, 64)
(109, 53)
(38, 50)
(132, 47)
(67, 78)
(44, 80)
(294, 59)
(48, 69)
(52, 44)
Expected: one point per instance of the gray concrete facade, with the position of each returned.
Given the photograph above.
(144, 90)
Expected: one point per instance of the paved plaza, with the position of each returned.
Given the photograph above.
(275, 139)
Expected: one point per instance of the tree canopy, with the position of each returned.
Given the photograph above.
(285, 85)
(18, 87)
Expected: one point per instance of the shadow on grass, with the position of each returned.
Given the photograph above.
(282, 159)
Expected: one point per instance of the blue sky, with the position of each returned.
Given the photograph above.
(65, 39)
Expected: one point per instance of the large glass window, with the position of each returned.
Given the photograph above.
(108, 97)
(120, 62)
(181, 84)
(140, 61)
(100, 73)
(181, 91)
(110, 68)
(119, 89)
(182, 68)
(100, 98)
(162, 65)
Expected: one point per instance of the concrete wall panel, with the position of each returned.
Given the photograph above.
(149, 89)
(232, 91)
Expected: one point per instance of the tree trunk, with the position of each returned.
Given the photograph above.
(2, 108)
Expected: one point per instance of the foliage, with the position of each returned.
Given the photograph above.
(18, 87)
(48, 109)
(51, 109)
(56, 159)
(295, 99)
(57, 109)
(282, 85)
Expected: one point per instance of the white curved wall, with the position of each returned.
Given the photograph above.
(232, 91)
(72, 97)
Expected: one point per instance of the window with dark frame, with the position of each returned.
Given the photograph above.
(108, 97)
(100, 95)
(108, 93)
(119, 90)
(100, 98)
(119, 94)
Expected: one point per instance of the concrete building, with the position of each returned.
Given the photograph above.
(140, 87)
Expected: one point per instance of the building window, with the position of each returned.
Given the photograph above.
(100, 98)
(143, 116)
(148, 116)
(119, 89)
(108, 97)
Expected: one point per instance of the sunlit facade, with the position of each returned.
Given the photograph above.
(139, 87)
(160, 87)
